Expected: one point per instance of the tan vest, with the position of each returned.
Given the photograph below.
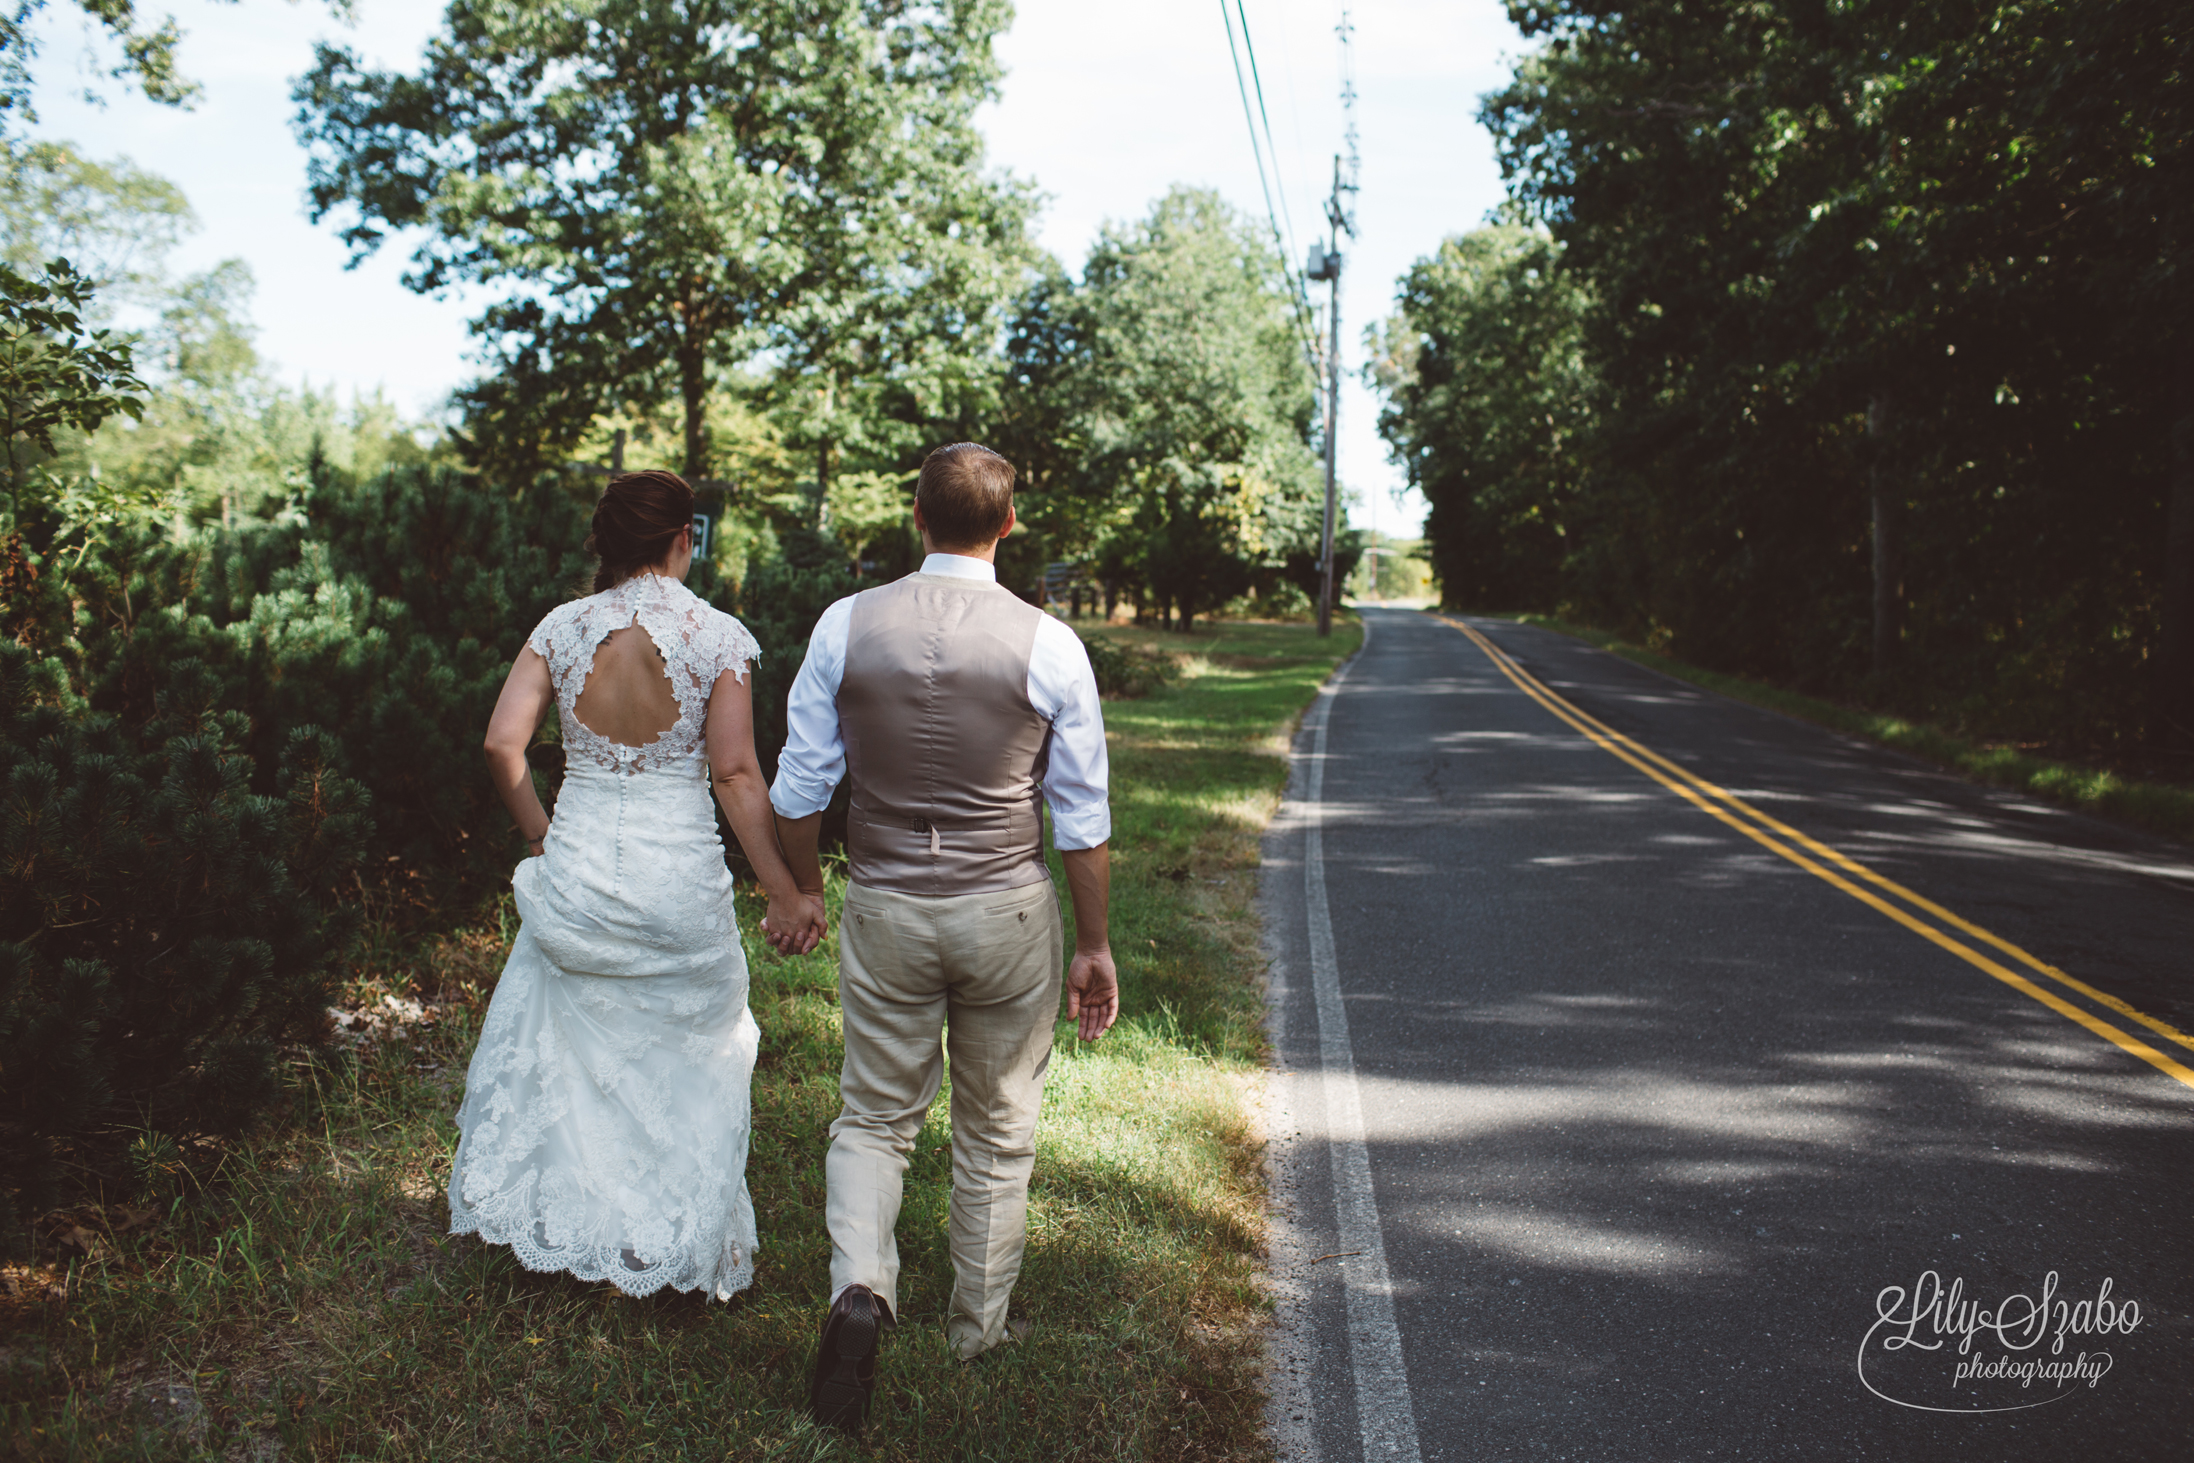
(945, 752)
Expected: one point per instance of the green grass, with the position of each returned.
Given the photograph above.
(304, 1301)
(2157, 807)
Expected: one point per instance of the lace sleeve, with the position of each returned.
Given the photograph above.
(725, 645)
(542, 641)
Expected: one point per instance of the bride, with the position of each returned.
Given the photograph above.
(604, 1127)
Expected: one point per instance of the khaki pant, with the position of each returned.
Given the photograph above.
(983, 969)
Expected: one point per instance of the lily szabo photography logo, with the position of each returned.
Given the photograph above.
(1936, 1349)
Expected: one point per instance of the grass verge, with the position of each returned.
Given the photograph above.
(303, 1300)
(2156, 807)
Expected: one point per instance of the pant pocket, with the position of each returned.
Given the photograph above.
(1018, 902)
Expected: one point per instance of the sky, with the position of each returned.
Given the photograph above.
(1103, 107)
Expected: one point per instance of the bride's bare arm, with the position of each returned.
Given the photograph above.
(518, 712)
(796, 920)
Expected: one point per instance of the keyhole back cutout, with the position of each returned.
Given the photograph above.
(627, 697)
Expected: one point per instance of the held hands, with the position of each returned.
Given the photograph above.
(1093, 992)
(796, 922)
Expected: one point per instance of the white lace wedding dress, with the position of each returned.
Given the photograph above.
(605, 1122)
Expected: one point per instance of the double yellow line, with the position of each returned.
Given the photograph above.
(1849, 875)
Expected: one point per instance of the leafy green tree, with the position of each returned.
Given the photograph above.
(148, 53)
(113, 221)
(898, 348)
(1172, 377)
(866, 506)
(1488, 410)
(1884, 305)
(55, 372)
(220, 439)
(655, 193)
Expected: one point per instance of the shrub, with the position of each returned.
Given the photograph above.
(193, 739)
(1128, 670)
(780, 604)
(386, 613)
(163, 928)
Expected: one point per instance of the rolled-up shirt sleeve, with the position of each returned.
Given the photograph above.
(1077, 783)
(814, 759)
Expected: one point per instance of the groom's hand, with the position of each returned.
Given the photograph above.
(788, 937)
(797, 925)
(1093, 992)
(815, 920)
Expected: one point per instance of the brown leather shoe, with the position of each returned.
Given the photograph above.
(845, 1361)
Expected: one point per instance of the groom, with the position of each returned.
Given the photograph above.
(954, 706)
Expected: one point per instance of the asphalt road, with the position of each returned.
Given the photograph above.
(1651, 1116)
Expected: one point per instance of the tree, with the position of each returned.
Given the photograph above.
(900, 342)
(863, 506)
(1883, 302)
(148, 55)
(113, 221)
(54, 371)
(655, 193)
(1488, 409)
(1176, 376)
(217, 436)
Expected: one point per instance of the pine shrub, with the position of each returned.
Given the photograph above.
(164, 929)
(217, 745)
(386, 613)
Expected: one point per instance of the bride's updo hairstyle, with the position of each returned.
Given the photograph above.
(640, 513)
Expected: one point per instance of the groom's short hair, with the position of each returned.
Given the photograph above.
(965, 494)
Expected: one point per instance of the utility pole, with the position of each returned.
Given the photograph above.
(1329, 269)
(1325, 264)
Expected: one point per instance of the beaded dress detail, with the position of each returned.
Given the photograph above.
(606, 1118)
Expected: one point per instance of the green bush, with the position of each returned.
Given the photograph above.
(1127, 670)
(163, 927)
(780, 603)
(194, 738)
(387, 613)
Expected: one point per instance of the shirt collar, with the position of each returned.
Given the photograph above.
(960, 566)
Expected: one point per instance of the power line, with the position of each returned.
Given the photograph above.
(1299, 294)
(1271, 149)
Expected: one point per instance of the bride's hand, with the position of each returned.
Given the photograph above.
(795, 925)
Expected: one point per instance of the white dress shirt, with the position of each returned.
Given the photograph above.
(1061, 687)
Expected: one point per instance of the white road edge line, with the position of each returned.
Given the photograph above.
(1384, 1412)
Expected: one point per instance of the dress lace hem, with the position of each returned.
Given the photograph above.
(508, 1219)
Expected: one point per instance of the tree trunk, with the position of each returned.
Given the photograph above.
(693, 389)
(1889, 572)
(822, 486)
(2175, 655)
